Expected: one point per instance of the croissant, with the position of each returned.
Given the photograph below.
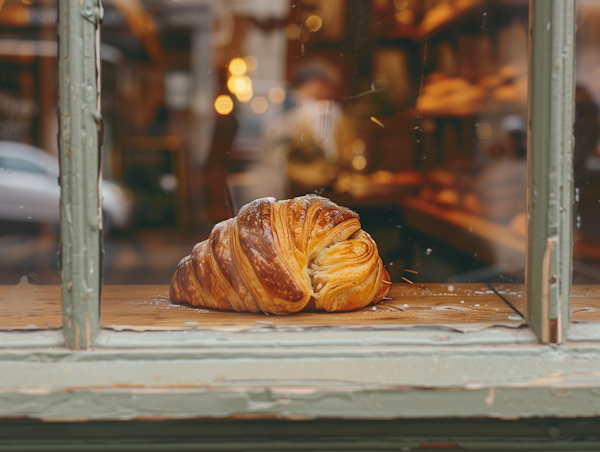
(282, 257)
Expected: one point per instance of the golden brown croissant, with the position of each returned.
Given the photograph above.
(281, 257)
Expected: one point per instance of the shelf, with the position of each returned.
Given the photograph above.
(493, 242)
(424, 30)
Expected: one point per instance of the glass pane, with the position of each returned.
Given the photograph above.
(585, 300)
(29, 170)
(411, 113)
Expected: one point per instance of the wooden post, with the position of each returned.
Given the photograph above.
(550, 170)
(79, 206)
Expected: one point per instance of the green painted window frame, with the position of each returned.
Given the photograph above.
(84, 372)
(550, 199)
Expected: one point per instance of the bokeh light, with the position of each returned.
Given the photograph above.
(484, 131)
(359, 162)
(231, 84)
(244, 96)
(358, 146)
(224, 104)
(292, 31)
(238, 67)
(242, 85)
(277, 94)
(405, 16)
(401, 4)
(314, 23)
(251, 63)
(259, 105)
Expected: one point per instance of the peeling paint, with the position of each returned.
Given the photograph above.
(78, 28)
(550, 183)
(489, 399)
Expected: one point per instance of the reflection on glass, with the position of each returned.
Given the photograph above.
(410, 112)
(29, 190)
(585, 301)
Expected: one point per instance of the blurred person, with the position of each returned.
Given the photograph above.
(501, 187)
(300, 153)
(216, 197)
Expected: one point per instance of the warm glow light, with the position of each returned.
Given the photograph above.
(406, 16)
(251, 62)
(314, 23)
(292, 31)
(484, 131)
(277, 95)
(231, 84)
(243, 85)
(401, 4)
(359, 162)
(224, 104)
(244, 96)
(358, 146)
(259, 105)
(238, 67)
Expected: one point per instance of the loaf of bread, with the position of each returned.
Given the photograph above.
(281, 257)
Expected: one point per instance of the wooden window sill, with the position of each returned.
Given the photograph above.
(147, 307)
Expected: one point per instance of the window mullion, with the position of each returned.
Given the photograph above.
(78, 139)
(550, 172)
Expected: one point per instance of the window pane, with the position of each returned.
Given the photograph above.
(411, 113)
(29, 170)
(585, 300)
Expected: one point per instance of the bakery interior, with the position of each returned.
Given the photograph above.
(410, 112)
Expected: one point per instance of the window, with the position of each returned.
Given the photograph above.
(175, 76)
(584, 298)
(412, 114)
(29, 190)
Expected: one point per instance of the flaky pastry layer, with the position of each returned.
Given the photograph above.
(282, 257)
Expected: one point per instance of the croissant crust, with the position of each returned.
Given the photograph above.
(281, 257)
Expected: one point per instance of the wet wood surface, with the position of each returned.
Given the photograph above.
(147, 307)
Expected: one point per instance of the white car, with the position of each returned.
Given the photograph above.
(29, 189)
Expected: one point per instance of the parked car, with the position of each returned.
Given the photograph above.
(29, 190)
